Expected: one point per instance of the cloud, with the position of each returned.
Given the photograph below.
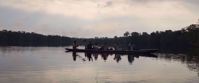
(89, 18)
(92, 9)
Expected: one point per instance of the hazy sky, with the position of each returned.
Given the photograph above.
(90, 18)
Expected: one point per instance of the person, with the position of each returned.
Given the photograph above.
(89, 46)
(116, 46)
(104, 47)
(75, 45)
(95, 46)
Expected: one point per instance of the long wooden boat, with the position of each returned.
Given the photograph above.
(142, 51)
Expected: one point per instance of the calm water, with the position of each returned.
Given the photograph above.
(54, 65)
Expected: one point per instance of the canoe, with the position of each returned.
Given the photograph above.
(142, 51)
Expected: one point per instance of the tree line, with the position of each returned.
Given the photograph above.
(178, 40)
(21, 38)
(168, 40)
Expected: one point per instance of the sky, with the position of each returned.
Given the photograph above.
(96, 18)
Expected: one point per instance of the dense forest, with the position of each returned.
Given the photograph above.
(21, 38)
(178, 40)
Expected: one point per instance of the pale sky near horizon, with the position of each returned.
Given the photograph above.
(91, 18)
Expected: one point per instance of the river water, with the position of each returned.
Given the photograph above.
(54, 65)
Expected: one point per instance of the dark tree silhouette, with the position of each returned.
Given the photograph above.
(179, 40)
(126, 34)
(20, 38)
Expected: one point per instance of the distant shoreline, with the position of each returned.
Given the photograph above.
(181, 40)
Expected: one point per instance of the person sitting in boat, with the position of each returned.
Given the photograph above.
(75, 45)
(111, 48)
(116, 47)
(95, 46)
(89, 46)
(104, 47)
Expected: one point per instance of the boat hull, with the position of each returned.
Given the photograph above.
(143, 51)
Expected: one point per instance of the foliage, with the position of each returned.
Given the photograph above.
(178, 40)
(20, 38)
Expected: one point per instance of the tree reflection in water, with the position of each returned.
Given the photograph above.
(104, 56)
(191, 59)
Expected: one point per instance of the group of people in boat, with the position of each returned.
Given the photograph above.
(103, 47)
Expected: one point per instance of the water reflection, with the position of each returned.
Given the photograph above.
(54, 65)
(104, 56)
(191, 59)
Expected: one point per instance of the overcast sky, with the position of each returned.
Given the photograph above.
(90, 18)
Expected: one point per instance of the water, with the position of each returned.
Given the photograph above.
(54, 65)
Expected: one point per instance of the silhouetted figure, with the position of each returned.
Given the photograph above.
(75, 45)
(116, 46)
(111, 48)
(89, 46)
(104, 47)
(95, 46)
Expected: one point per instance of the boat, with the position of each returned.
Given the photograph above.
(142, 51)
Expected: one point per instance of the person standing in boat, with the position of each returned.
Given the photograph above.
(75, 45)
(89, 46)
